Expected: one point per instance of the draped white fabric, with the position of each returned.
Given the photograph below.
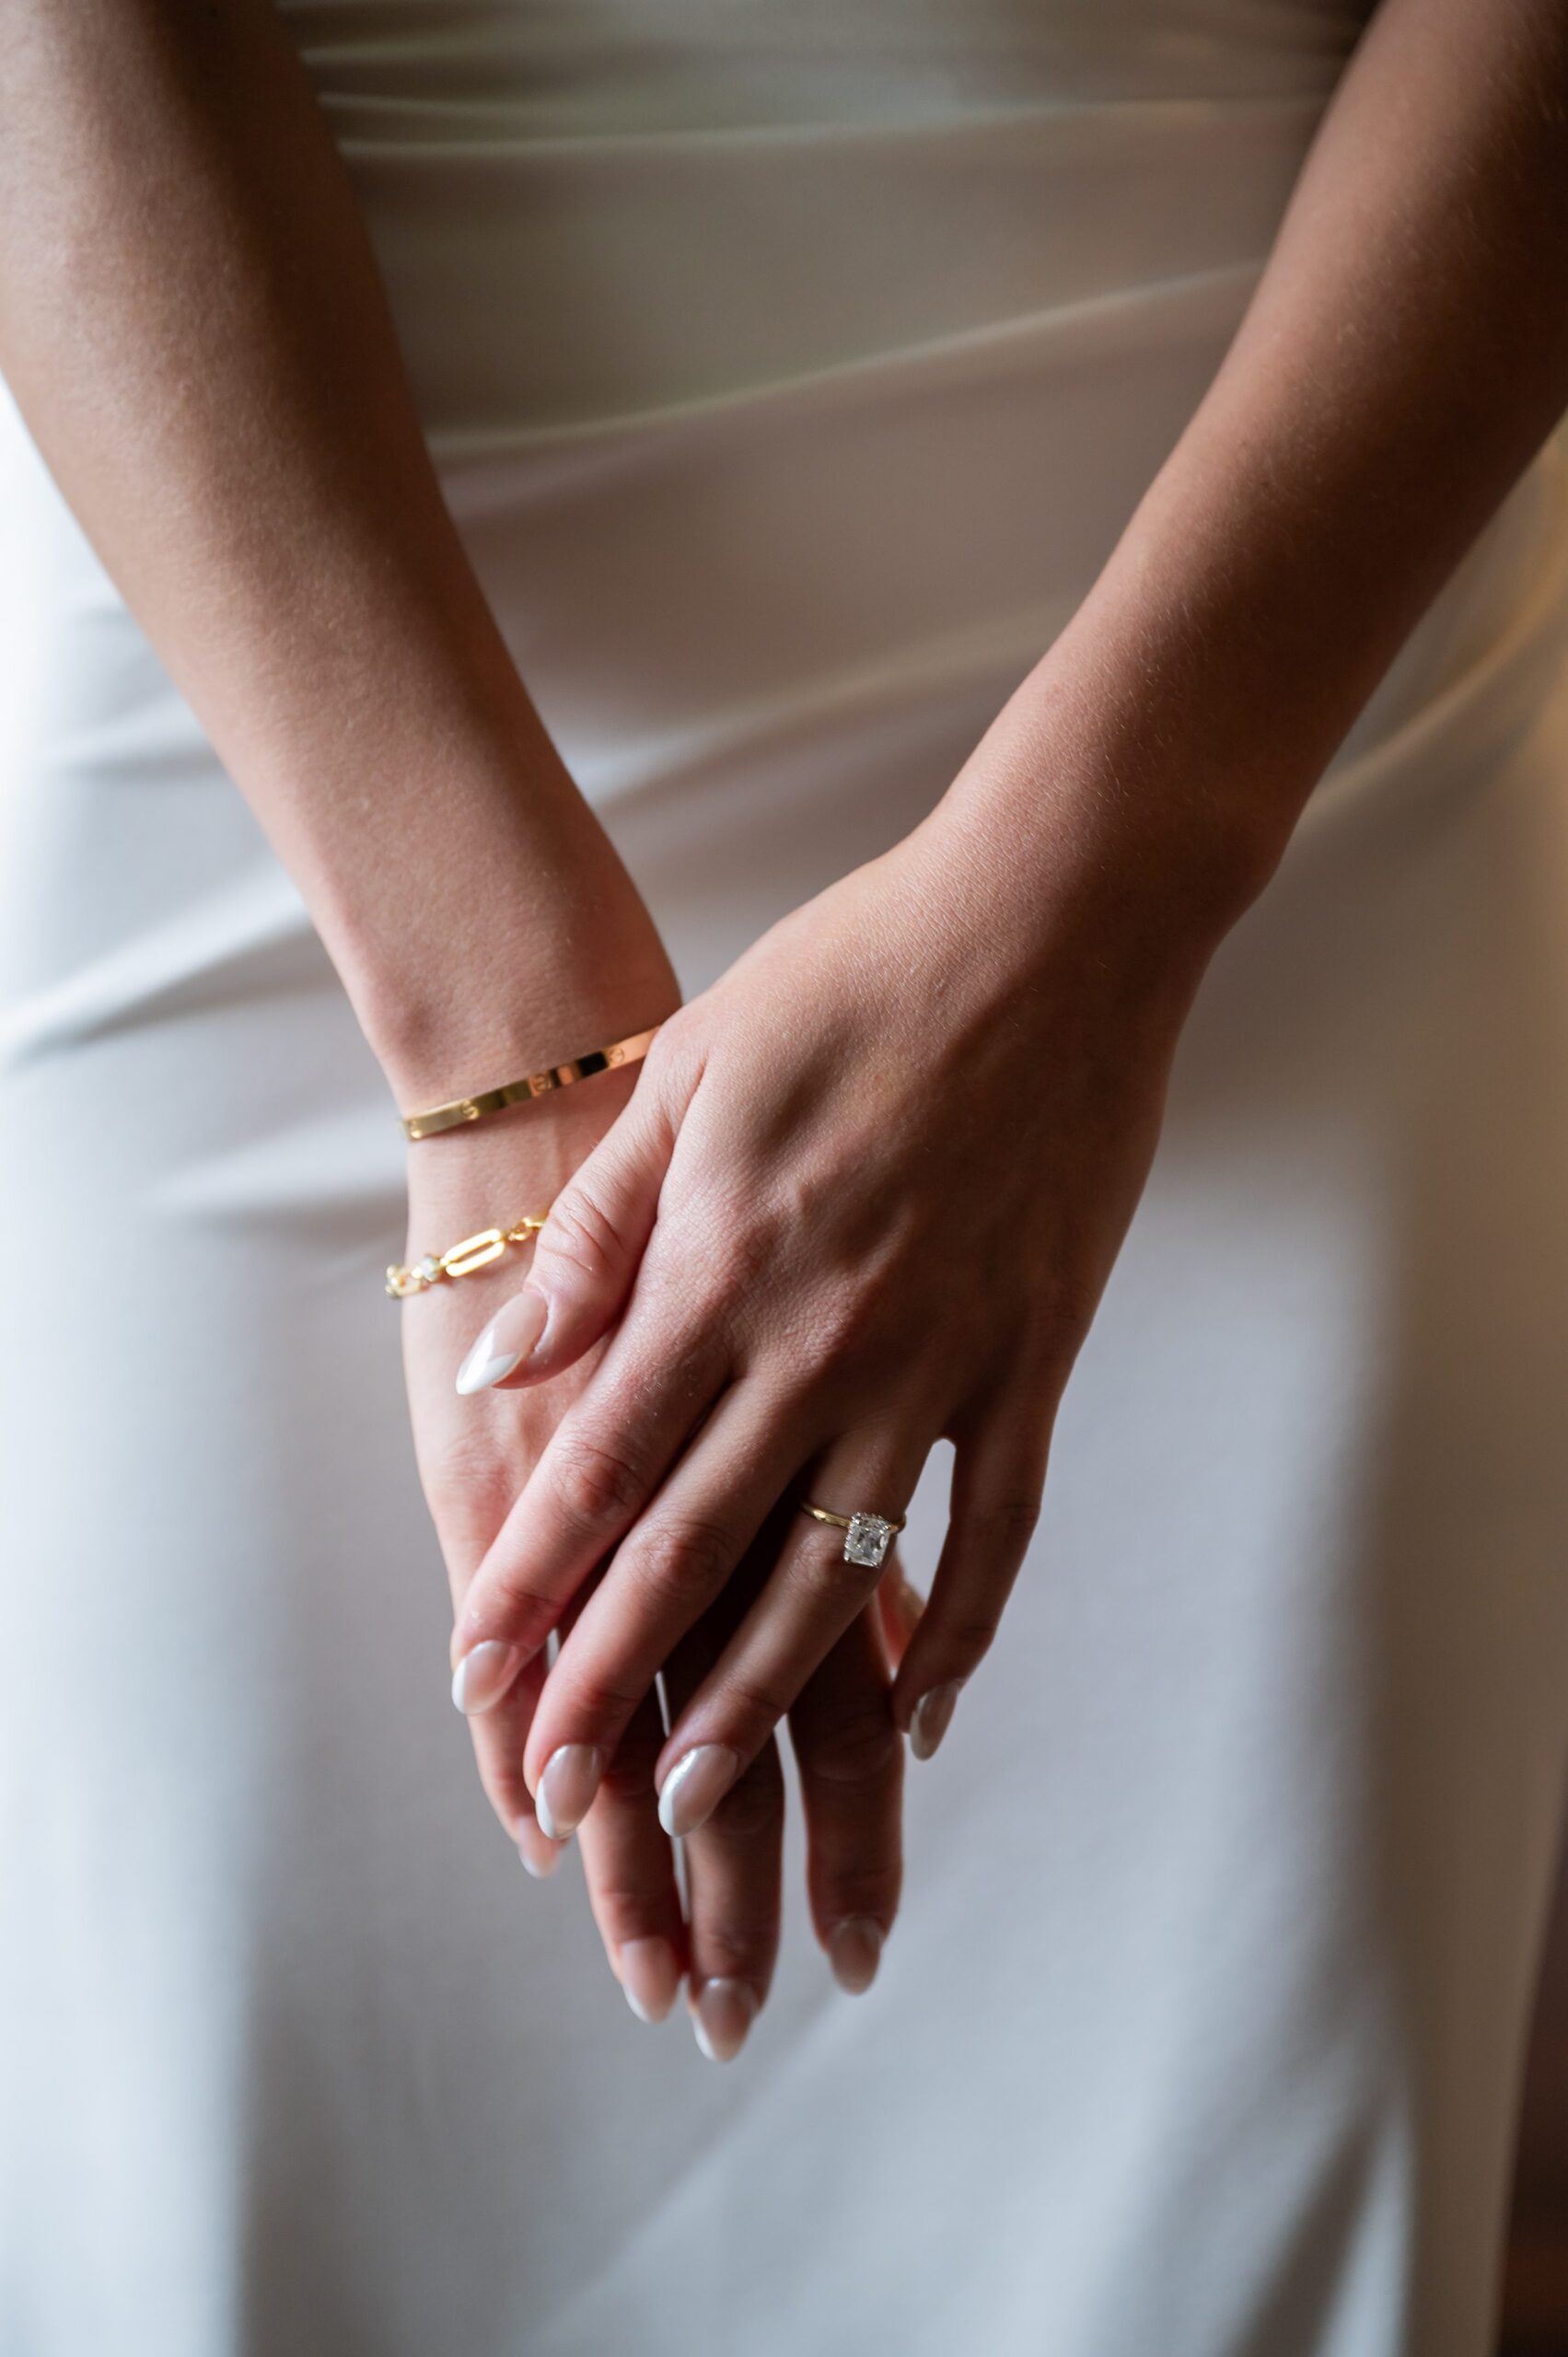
(791, 369)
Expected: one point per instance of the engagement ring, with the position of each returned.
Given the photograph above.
(867, 1536)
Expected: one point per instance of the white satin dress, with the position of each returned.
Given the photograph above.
(791, 367)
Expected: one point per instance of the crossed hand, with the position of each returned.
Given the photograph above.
(862, 1193)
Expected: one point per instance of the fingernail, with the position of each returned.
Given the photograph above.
(722, 2013)
(567, 1786)
(538, 1852)
(931, 1714)
(483, 1674)
(505, 1342)
(650, 1976)
(855, 1950)
(694, 1787)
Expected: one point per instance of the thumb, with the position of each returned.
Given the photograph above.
(585, 1256)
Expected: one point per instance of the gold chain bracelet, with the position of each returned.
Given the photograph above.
(460, 1259)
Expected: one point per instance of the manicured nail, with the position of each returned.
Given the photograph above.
(931, 1717)
(505, 1342)
(567, 1786)
(650, 1976)
(722, 2013)
(855, 1950)
(483, 1674)
(538, 1852)
(693, 1789)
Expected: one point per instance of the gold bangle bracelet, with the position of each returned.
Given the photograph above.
(534, 1084)
(460, 1259)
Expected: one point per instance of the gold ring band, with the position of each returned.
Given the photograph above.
(867, 1536)
(533, 1084)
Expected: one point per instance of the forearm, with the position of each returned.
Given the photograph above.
(194, 326)
(1404, 356)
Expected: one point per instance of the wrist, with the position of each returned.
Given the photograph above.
(538, 954)
(478, 915)
(1086, 804)
(510, 1164)
(489, 1025)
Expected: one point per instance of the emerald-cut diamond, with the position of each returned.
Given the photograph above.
(867, 1539)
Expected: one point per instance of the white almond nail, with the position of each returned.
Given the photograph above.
(650, 1977)
(538, 1852)
(722, 2013)
(694, 1787)
(505, 1342)
(567, 1786)
(931, 1717)
(484, 1365)
(855, 1950)
(483, 1674)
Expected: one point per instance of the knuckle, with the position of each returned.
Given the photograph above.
(863, 1889)
(628, 1779)
(752, 1809)
(511, 1605)
(1001, 1527)
(676, 1059)
(673, 1562)
(966, 1642)
(861, 1749)
(844, 1325)
(623, 1912)
(598, 1697)
(594, 1485)
(822, 1583)
(734, 1951)
(581, 1234)
(752, 1706)
(469, 1494)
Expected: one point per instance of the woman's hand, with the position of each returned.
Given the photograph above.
(892, 1155)
(473, 1456)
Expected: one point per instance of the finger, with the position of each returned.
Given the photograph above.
(899, 1608)
(498, 1740)
(586, 1254)
(815, 1591)
(664, 1575)
(465, 1515)
(629, 1865)
(595, 1475)
(734, 1866)
(851, 1757)
(998, 1477)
